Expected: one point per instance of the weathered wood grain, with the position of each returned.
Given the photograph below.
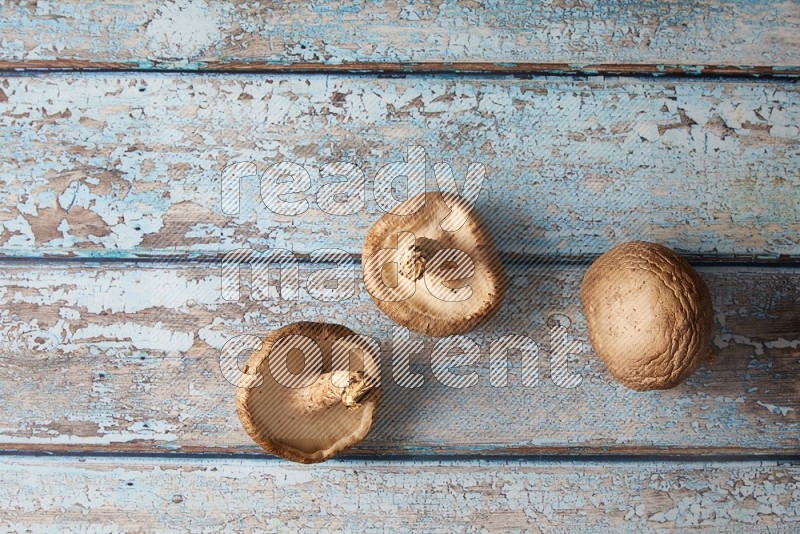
(734, 36)
(126, 357)
(42, 494)
(128, 165)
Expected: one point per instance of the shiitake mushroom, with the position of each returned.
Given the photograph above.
(649, 315)
(313, 401)
(435, 278)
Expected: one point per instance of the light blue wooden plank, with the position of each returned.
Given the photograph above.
(126, 357)
(42, 494)
(120, 165)
(196, 34)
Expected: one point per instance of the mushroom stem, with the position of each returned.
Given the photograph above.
(325, 393)
(356, 391)
(415, 259)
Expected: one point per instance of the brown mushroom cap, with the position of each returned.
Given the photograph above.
(428, 311)
(649, 315)
(312, 423)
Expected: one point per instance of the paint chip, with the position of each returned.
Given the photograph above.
(182, 29)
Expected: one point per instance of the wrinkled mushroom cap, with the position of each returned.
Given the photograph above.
(649, 315)
(334, 411)
(429, 311)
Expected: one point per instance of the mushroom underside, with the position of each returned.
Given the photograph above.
(456, 277)
(309, 420)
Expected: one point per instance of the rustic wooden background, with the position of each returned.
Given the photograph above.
(597, 122)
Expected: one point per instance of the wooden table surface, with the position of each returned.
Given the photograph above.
(596, 123)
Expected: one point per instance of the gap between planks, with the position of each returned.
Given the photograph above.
(619, 456)
(507, 259)
(410, 68)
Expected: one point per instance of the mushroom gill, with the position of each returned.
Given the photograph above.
(315, 398)
(432, 280)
